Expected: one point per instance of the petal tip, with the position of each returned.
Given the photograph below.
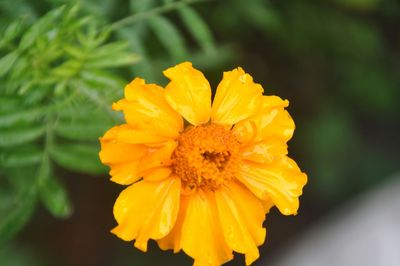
(169, 72)
(141, 245)
(116, 106)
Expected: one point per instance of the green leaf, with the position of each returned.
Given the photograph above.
(17, 181)
(75, 51)
(79, 114)
(18, 215)
(55, 198)
(8, 102)
(67, 69)
(14, 9)
(45, 23)
(145, 65)
(71, 13)
(22, 200)
(92, 36)
(15, 136)
(20, 156)
(78, 157)
(108, 50)
(6, 62)
(13, 117)
(96, 97)
(12, 30)
(214, 59)
(81, 130)
(169, 36)
(117, 60)
(6, 198)
(45, 170)
(25, 87)
(197, 27)
(103, 79)
(52, 193)
(140, 6)
(111, 55)
(19, 73)
(61, 87)
(263, 15)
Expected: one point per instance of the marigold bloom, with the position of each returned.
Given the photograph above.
(204, 188)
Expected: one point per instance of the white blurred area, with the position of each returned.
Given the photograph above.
(366, 232)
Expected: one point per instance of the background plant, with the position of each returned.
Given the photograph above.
(60, 73)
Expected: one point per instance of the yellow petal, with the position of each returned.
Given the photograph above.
(281, 181)
(264, 152)
(129, 162)
(237, 98)
(173, 239)
(123, 158)
(157, 174)
(125, 173)
(145, 108)
(271, 121)
(267, 205)
(188, 93)
(272, 101)
(153, 165)
(113, 151)
(130, 135)
(241, 215)
(158, 157)
(202, 236)
(147, 210)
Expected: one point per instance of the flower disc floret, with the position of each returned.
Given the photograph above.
(207, 156)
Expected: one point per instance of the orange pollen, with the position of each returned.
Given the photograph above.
(206, 157)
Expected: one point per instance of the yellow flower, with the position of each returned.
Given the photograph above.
(204, 188)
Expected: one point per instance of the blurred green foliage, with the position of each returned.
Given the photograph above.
(19, 256)
(62, 64)
(59, 74)
(339, 63)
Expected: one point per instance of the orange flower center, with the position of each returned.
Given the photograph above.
(206, 157)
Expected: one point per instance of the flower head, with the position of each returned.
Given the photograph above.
(204, 188)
